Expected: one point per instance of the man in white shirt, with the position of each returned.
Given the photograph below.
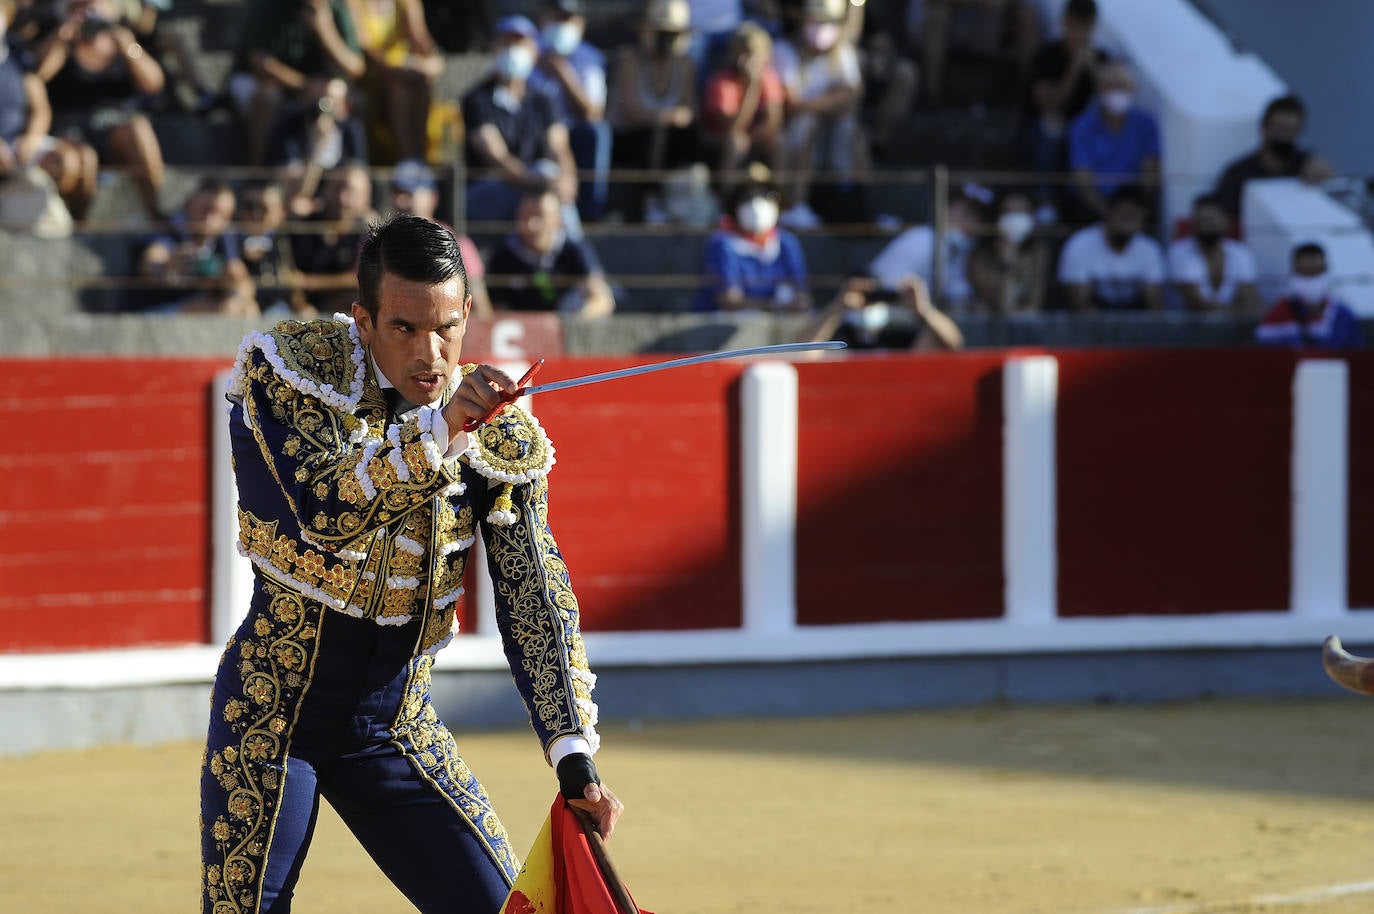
(1209, 270)
(1112, 265)
(912, 253)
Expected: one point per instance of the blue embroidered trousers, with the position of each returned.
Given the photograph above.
(309, 702)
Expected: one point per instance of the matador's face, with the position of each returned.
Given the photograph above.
(417, 338)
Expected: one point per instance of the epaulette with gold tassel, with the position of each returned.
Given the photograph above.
(511, 449)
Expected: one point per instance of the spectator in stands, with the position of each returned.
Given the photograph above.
(1113, 265)
(890, 82)
(539, 268)
(96, 73)
(1309, 315)
(751, 263)
(167, 46)
(1210, 270)
(1008, 271)
(267, 252)
(326, 254)
(573, 73)
(1063, 80)
(653, 104)
(402, 65)
(988, 28)
(1278, 156)
(516, 131)
(415, 191)
(285, 43)
(912, 253)
(742, 107)
(198, 268)
(321, 132)
(25, 124)
(1113, 142)
(865, 316)
(820, 71)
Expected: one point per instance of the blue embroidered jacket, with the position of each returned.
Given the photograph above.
(368, 517)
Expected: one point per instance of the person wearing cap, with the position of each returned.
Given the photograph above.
(750, 263)
(415, 191)
(514, 137)
(653, 108)
(573, 73)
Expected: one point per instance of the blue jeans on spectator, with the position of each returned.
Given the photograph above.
(494, 200)
(591, 149)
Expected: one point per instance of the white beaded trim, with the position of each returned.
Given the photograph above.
(476, 461)
(325, 393)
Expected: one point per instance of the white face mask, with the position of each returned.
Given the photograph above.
(757, 216)
(1016, 226)
(1117, 102)
(822, 35)
(515, 62)
(1310, 290)
(562, 37)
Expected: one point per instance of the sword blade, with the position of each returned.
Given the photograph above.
(778, 349)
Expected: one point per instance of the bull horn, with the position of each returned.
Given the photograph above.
(1354, 673)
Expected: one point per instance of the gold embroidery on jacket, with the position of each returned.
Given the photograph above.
(533, 582)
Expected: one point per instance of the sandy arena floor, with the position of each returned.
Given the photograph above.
(1203, 808)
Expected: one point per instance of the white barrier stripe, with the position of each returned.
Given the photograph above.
(1030, 392)
(768, 487)
(1320, 489)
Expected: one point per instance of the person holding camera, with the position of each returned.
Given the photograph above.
(97, 73)
(321, 132)
(866, 316)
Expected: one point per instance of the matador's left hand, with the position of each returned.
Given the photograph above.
(604, 806)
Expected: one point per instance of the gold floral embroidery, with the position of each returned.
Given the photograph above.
(248, 769)
(539, 614)
(431, 747)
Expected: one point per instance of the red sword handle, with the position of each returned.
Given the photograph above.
(506, 398)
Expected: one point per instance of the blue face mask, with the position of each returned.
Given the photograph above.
(562, 37)
(515, 62)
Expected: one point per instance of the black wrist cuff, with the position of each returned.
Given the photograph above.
(575, 772)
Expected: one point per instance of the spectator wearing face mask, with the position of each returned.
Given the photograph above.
(913, 252)
(573, 73)
(1279, 155)
(516, 132)
(751, 263)
(1309, 315)
(820, 70)
(1211, 271)
(1009, 270)
(653, 107)
(865, 316)
(1113, 142)
(1113, 266)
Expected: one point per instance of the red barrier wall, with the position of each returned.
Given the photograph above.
(900, 488)
(104, 485)
(645, 500)
(1360, 573)
(1174, 480)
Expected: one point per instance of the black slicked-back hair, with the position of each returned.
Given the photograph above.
(409, 247)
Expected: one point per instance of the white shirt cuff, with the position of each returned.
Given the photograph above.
(439, 429)
(565, 746)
